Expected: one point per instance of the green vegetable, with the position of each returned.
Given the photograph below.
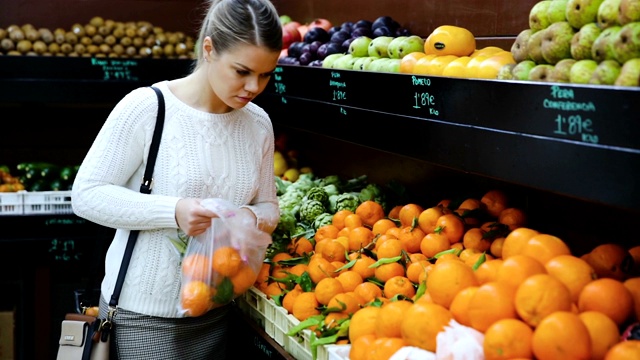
(347, 201)
(321, 220)
(310, 210)
(318, 193)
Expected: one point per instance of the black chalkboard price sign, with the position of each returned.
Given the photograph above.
(279, 85)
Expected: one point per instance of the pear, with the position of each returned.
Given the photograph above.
(359, 46)
(540, 72)
(330, 59)
(345, 62)
(582, 12)
(583, 40)
(522, 69)
(393, 49)
(629, 73)
(626, 44)
(377, 65)
(363, 63)
(608, 13)
(534, 47)
(556, 42)
(378, 46)
(561, 69)
(629, 11)
(538, 18)
(602, 48)
(606, 73)
(582, 70)
(519, 47)
(505, 72)
(412, 43)
(556, 11)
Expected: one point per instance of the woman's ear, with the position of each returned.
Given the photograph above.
(207, 48)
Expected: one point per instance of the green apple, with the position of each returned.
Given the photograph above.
(330, 59)
(540, 72)
(534, 47)
(538, 18)
(561, 69)
(582, 70)
(519, 47)
(608, 13)
(606, 73)
(581, 12)
(522, 69)
(629, 11)
(557, 11)
(629, 73)
(359, 46)
(378, 46)
(602, 48)
(556, 42)
(393, 49)
(583, 40)
(505, 72)
(285, 19)
(626, 44)
(412, 43)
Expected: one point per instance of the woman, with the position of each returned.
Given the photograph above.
(216, 144)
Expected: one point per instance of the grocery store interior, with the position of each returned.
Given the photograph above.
(574, 172)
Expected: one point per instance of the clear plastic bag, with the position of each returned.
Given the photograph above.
(223, 262)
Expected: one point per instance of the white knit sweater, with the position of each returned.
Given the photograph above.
(202, 155)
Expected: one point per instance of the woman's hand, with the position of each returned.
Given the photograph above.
(193, 218)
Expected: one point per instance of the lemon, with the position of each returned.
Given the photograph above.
(291, 174)
(279, 166)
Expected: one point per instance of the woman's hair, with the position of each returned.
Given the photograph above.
(234, 22)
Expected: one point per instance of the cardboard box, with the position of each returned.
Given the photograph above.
(7, 336)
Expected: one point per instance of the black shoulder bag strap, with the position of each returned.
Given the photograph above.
(145, 188)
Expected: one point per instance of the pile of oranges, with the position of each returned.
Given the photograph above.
(399, 279)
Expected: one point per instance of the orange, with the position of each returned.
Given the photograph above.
(368, 291)
(422, 323)
(362, 265)
(494, 201)
(326, 289)
(363, 322)
(332, 320)
(434, 243)
(450, 40)
(353, 221)
(333, 250)
(381, 226)
(328, 231)
(370, 212)
(226, 261)
(289, 298)
(515, 241)
(452, 226)
(417, 257)
(513, 217)
(320, 268)
(408, 213)
(305, 305)
(625, 350)
(384, 272)
(262, 279)
(447, 278)
(408, 61)
(384, 347)
(474, 238)
(361, 347)
(460, 305)
(611, 260)
(491, 302)
(496, 247)
(561, 335)
(508, 339)
(517, 268)
(274, 289)
(195, 266)
(349, 280)
(488, 270)
(470, 204)
(608, 296)
(281, 256)
(243, 279)
(544, 247)
(428, 218)
(339, 217)
(540, 295)
(457, 68)
(394, 213)
(389, 320)
(399, 285)
(347, 303)
(414, 269)
(489, 68)
(301, 246)
(411, 237)
(389, 248)
(360, 237)
(572, 271)
(603, 331)
(195, 298)
(633, 285)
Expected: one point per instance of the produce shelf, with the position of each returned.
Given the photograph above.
(570, 139)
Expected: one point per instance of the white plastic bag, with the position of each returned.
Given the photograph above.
(459, 342)
(223, 262)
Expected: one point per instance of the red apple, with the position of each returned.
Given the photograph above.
(321, 22)
(290, 34)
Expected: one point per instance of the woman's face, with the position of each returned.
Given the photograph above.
(237, 76)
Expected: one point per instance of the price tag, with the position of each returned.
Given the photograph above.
(278, 83)
(116, 69)
(423, 98)
(573, 119)
(338, 87)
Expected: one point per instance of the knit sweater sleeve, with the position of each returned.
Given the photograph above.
(106, 188)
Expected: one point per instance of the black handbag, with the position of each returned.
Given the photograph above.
(86, 337)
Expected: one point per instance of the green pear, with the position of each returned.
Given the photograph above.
(412, 43)
(629, 11)
(393, 49)
(360, 46)
(626, 44)
(582, 12)
(538, 18)
(519, 47)
(363, 63)
(540, 72)
(606, 73)
(602, 48)
(556, 42)
(629, 73)
(330, 59)
(583, 40)
(608, 13)
(522, 69)
(378, 46)
(391, 66)
(557, 11)
(377, 65)
(345, 62)
(582, 70)
(561, 69)
(534, 47)
(505, 72)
